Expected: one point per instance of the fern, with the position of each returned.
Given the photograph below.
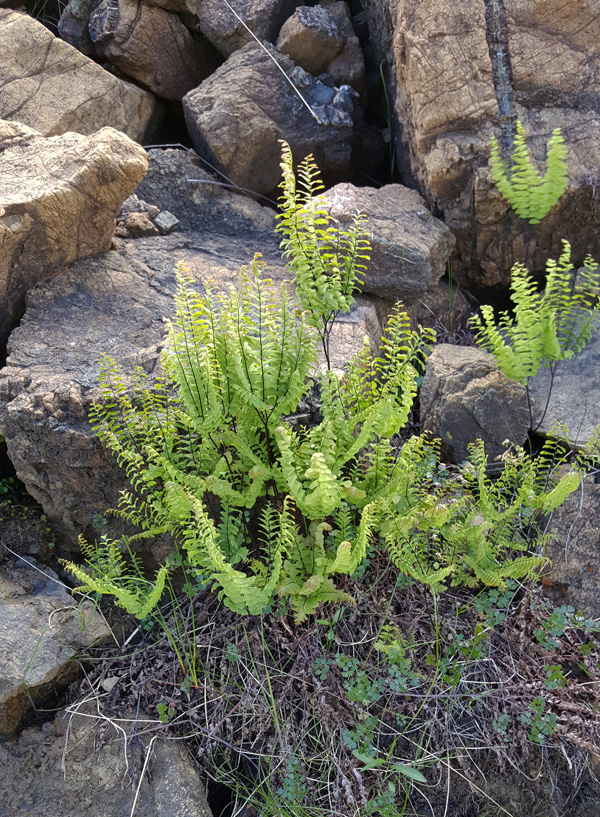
(531, 196)
(327, 260)
(109, 575)
(546, 326)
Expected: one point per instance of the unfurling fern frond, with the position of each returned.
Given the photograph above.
(531, 196)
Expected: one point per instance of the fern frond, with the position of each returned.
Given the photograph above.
(531, 196)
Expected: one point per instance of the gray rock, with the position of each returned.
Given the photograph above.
(48, 85)
(42, 630)
(409, 247)
(58, 201)
(348, 68)
(311, 38)
(571, 399)
(464, 396)
(166, 222)
(237, 117)
(152, 46)
(73, 25)
(115, 303)
(574, 549)
(177, 182)
(68, 767)
(228, 31)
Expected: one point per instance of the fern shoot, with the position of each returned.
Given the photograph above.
(529, 194)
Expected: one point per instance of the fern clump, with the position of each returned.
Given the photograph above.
(262, 510)
(469, 529)
(530, 195)
(545, 327)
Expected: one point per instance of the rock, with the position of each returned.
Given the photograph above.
(311, 38)
(464, 396)
(228, 32)
(177, 182)
(574, 549)
(348, 68)
(409, 247)
(152, 46)
(48, 85)
(115, 303)
(136, 225)
(237, 117)
(42, 630)
(462, 72)
(166, 222)
(133, 204)
(570, 399)
(58, 201)
(73, 25)
(322, 40)
(67, 766)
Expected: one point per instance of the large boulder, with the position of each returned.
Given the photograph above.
(50, 86)
(460, 73)
(114, 303)
(152, 46)
(42, 630)
(465, 397)
(409, 247)
(237, 117)
(58, 201)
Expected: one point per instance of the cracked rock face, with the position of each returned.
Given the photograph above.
(463, 72)
(238, 115)
(58, 201)
(464, 397)
(48, 85)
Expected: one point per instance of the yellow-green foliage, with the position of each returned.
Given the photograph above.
(262, 509)
(544, 326)
(530, 195)
(327, 260)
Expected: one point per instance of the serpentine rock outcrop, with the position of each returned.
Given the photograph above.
(462, 72)
(58, 201)
(50, 86)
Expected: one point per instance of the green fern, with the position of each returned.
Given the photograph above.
(531, 196)
(327, 260)
(545, 326)
(108, 574)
